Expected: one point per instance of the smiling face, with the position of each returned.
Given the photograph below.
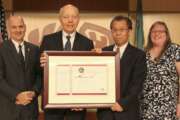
(69, 18)
(158, 35)
(120, 32)
(16, 28)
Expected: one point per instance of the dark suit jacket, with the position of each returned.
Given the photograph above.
(13, 80)
(132, 75)
(54, 42)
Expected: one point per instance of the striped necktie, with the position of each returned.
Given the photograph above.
(68, 44)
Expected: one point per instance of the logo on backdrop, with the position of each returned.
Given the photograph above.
(101, 36)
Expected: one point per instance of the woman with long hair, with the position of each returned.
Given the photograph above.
(160, 96)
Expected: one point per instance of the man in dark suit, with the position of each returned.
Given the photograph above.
(66, 40)
(19, 74)
(132, 73)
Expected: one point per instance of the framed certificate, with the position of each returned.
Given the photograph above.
(81, 79)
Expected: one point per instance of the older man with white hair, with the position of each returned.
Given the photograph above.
(68, 39)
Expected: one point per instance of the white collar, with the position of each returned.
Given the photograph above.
(72, 37)
(66, 34)
(17, 44)
(121, 48)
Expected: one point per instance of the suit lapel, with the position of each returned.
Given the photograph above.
(13, 52)
(76, 45)
(59, 41)
(27, 54)
(126, 54)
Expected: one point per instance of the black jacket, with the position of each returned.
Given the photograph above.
(13, 80)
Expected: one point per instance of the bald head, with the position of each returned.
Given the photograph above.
(16, 28)
(14, 18)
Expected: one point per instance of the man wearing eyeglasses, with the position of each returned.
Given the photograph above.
(132, 73)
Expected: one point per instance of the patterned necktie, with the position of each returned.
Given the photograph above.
(68, 44)
(21, 57)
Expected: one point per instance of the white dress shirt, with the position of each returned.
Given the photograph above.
(121, 49)
(72, 37)
(16, 44)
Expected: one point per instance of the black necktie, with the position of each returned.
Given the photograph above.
(21, 57)
(68, 44)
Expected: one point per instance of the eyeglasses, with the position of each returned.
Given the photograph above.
(158, 31)
(119, 30)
